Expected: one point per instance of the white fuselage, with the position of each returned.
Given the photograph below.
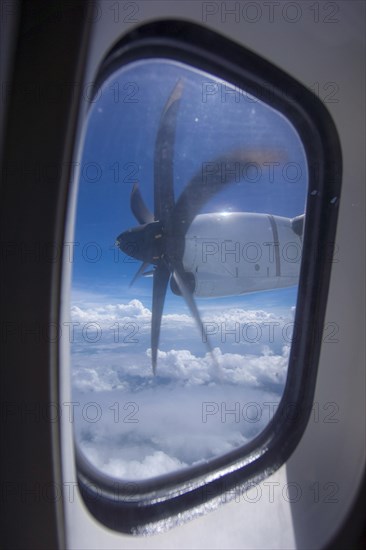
(234, 253)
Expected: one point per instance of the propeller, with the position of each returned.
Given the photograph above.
(138, 207)
(160, 237)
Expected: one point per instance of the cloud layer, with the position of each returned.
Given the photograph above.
(133, 425)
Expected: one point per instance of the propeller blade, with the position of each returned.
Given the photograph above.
(139, 273)
(138, 206)
(188, 296)
(212, 179)
(164, 156)
(160, 283)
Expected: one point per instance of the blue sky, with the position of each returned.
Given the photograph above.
(118, 150)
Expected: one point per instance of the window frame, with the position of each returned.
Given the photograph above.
(138, 507)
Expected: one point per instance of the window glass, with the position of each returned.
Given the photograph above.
(215, 182)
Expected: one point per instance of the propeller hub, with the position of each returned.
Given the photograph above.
(143, 242)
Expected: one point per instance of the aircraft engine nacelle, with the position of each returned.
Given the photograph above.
(234, 253)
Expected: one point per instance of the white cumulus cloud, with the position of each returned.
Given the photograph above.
(140, 426)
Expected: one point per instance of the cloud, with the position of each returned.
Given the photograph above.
(249, 370)
(128, 326)
(112, 312)
(133, 425)
(151, 465)
(159, 429)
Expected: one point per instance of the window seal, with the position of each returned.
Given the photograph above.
(135, 507)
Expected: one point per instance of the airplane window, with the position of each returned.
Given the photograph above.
(186, 260)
